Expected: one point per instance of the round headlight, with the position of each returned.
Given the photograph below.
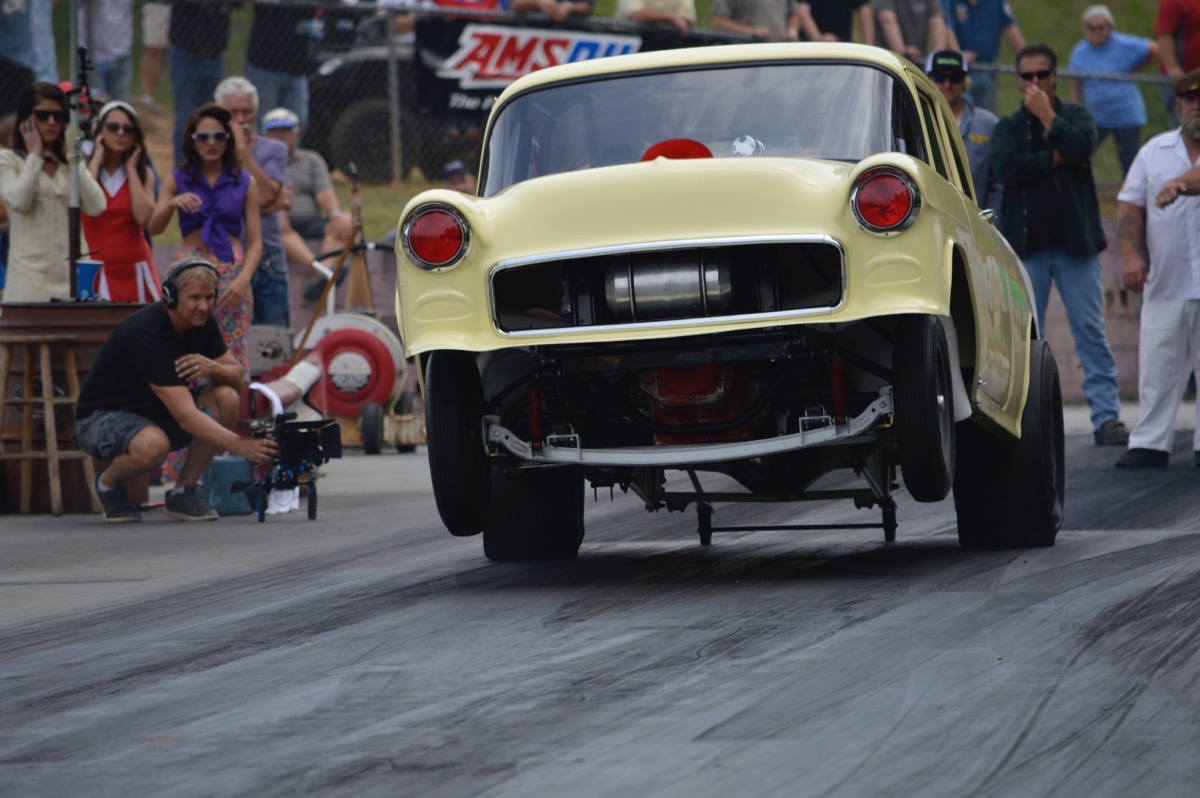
(884, 199)
(435, 236)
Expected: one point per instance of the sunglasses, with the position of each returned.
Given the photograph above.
(219, 137)
(942, 77)
(1041, 74)
(1096, 28)
(117, 127)
(46, 116)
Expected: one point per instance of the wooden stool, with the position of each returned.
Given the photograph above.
(40, 344)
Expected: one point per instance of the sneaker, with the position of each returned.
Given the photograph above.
(1135, 459)
(1112, 433)
(186, 504)
(314, 290)
(117, 507)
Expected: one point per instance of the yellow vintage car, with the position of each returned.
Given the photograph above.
(759, 261)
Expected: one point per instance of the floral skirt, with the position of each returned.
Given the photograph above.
(234, 323)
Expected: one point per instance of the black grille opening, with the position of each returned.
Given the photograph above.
(675, 284)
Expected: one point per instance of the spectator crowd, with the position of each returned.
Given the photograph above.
(248, 200)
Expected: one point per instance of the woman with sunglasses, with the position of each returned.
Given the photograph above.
(217, 203)
(120, 166)
(35, 187)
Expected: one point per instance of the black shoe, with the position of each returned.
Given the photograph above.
(1112, 433)
(117, 507)
(1135, 459)
(186, 504)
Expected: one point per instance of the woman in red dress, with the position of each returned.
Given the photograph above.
(117, 237)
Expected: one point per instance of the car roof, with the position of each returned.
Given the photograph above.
(728, 54)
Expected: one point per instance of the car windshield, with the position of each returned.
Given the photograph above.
(789, 110)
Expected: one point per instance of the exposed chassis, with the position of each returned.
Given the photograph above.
(821, 431)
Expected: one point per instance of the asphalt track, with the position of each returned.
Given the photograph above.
(368, 653)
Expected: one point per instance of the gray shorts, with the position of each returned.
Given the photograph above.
(106, 434)
(156, 25)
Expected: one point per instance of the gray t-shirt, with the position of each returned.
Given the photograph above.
(772, 14)
(308, 175)
(272, 157)
(913, 18)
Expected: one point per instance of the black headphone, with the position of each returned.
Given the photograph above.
(170, 291)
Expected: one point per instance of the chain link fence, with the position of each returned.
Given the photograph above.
(393, 92)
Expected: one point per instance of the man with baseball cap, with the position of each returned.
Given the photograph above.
(315, 213)
(457, 177)
(949, 70)
(1169, 331)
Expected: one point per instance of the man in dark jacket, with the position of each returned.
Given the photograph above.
(1051, 216)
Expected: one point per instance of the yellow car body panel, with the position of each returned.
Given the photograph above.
(666, 203)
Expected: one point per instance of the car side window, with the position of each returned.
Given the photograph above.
(905, 126)
(935, 137)
(958, 155)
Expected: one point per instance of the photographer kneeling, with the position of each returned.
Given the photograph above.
(136, 405)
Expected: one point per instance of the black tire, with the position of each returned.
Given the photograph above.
(923, 400)
(534, 515)
(458, 463)
(1010, 494)
(312, 501)
(260, 505)
(370, 426)
(362, 136)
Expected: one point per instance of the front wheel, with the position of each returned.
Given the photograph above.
(534, 515)
(458, 463)
(923, 399)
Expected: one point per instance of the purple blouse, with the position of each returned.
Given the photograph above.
(222, 207)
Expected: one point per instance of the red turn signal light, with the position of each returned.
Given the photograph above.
(435, 236)
(884, 199)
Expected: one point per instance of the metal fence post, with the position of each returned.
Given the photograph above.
(393, 79)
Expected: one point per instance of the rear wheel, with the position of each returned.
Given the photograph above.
(923, 398)
(534, 515)
(1009, 494)
(458, 463)
(370, 427)
(312, 501)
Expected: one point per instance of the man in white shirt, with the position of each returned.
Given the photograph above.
(1157, 214)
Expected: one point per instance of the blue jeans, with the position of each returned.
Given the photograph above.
(270, 288)
(280, 90)
(1078, 280)
(1128, 141)
(112, 77)
(193, 82)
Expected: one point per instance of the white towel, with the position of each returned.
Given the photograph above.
(283, 501)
